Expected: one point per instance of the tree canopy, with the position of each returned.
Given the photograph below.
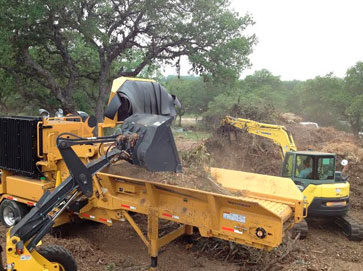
(327, 100)
(72, 50)
(351, 101)
(66, 53)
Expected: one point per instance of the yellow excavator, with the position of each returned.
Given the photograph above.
(325, 190)
(62, 160)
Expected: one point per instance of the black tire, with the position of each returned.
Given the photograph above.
(58, 254)
(301, 228)
(11, 212)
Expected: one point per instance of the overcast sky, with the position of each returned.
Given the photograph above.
(302, 39)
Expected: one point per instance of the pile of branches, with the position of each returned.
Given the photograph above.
(247, 258)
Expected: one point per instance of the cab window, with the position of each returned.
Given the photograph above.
(108, 131)
(287, 168)
(326, 168)
(304, 167)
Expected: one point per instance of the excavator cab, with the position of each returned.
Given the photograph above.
(314, 173)
(307, 167)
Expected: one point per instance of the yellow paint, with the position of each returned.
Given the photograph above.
(27, 188)
(27, 260)
(271, 187)
(277, 133)
(58, 179)
(204, 210)
(337, 190)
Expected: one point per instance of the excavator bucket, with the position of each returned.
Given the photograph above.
(155, 147)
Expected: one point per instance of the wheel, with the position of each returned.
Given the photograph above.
(301, 228)
(59, 255)
(11, 212)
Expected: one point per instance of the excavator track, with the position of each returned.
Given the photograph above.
(351, 227)
(301, 228)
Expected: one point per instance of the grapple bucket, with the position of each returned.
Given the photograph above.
(154, 146)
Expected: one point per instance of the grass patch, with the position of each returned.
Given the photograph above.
(192, 135)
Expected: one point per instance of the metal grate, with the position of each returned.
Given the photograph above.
(18, 145)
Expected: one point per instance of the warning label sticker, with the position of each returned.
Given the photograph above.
(234, 217)
(25, 257)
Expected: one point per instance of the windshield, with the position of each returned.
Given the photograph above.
(112, 131)
(287, 168)
(326, 168)
(304, 167)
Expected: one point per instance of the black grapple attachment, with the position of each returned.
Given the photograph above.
(150, 142)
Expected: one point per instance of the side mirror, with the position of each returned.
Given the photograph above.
(59, 113)
(44, 113)
(344, 162)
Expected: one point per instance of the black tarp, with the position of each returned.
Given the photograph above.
(141, 97)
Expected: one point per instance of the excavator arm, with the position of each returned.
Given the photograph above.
(277, 133)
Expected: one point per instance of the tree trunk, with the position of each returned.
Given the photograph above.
(68, 106)
(355, 130)
(355, 126)
(104, 89)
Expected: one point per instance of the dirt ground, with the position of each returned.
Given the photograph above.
(99, 248)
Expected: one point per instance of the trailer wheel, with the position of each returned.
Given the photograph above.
(12, 212)
(59, 255)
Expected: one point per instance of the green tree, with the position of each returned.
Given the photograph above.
(182, 88)
(16, 99)
(194, 94)
(68, 46)
(255, 98)
(267, 87)
(318, 99)
(351, 100)
(262, 78)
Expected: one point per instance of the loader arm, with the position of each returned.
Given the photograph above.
(277, 133)
(140, 135)
(39, 221)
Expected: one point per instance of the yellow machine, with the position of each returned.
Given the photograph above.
(75, 185)
(27, 175)
(325, 190)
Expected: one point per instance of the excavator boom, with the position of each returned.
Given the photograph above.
(277, 133)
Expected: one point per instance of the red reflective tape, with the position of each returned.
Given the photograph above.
(103, 219)
(10, 198)
(227, 229)
(30, 203)
(128, 206)
(165, 214)
(86, 215)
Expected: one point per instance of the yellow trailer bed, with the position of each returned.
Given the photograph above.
(256, 220)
